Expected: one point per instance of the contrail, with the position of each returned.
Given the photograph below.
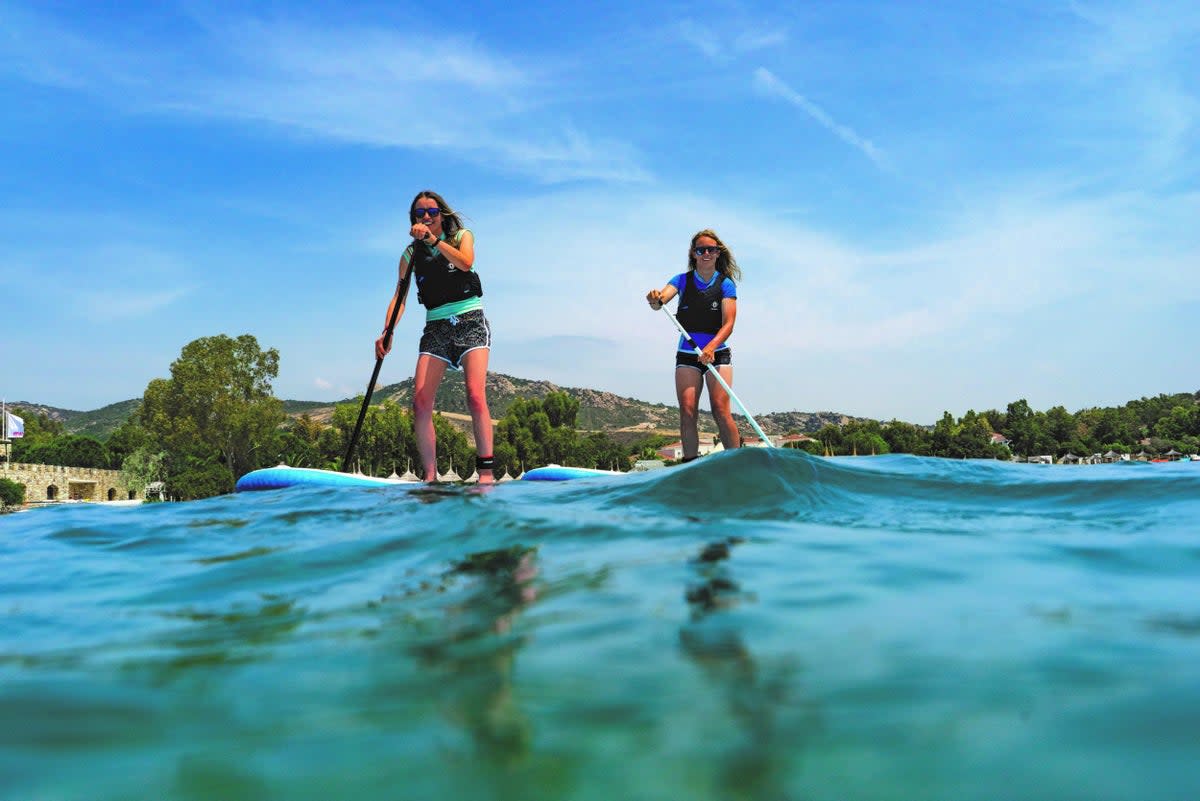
(767, 82)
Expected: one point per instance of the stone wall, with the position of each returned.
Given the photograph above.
(46, 483)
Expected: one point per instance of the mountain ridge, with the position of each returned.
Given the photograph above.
(598, 410)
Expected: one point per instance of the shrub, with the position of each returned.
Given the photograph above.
(200, 481)
(11, 493)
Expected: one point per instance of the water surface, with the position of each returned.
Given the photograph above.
(755, 625)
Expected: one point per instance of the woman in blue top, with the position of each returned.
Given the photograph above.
(707, 309)
(456, 334)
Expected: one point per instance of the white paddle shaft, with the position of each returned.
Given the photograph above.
(724, 385)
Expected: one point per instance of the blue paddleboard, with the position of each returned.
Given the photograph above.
(557, 472)
(270, 478)
(282, 476)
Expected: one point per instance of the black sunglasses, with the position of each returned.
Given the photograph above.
(704, 250)
(433, 212)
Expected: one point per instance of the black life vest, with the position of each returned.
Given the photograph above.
(438, 281)
(700, 309)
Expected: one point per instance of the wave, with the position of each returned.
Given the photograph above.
(906, 491)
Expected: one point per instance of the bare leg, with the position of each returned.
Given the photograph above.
(428, 375)
(730, 438)
(688, 385)
(474, 366)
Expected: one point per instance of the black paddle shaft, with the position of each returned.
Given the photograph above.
(387, 340)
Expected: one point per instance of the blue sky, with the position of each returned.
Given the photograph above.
(934, 208)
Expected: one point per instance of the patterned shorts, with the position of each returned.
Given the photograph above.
(450, 339)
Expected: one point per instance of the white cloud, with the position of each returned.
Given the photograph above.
(700, 37)
(374, 86)
(723, 38)
(1122, 79)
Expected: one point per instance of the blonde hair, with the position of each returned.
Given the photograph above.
(726, 263)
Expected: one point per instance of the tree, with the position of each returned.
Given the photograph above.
(537, 432)
(1178, 423)
(39, 430)
(126, 439)
(973, 437)
(906, 438)
(810, 446)
(1021, 428)
(1060, 424)
(298, 443)
(68, 450)
(863, 437)
(601, 451)
(217, 401)
(143, 466)
(453, 448)
(200, 480)
(1102, 427)
(561, 409)
(525, 426)
(386, 441)
(942, 441)
(830, 437)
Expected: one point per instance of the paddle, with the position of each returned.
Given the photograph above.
(387, 340)
(712, 369)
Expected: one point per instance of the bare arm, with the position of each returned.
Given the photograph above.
(728, 316)
(461, 254)
(657, 297)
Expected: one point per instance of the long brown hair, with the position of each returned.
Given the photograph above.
(726, 263)
(450, 220)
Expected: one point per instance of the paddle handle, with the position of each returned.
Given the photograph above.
(401, 294)
(720, 379)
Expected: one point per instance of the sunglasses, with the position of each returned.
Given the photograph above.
(704, 250)
(433, 212)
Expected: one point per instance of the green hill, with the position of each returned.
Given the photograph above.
(99, 423)
(598, 411)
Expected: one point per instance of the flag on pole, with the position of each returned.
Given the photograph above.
(14, 426)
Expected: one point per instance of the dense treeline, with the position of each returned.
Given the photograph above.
(215, 419)
(45, 442)
(1155, 426)
(531, 433)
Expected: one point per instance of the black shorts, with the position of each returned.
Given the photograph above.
(721, 358)
(454, 337)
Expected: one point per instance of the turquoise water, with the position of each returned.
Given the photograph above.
(756, 625)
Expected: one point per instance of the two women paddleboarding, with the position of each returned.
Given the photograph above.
(457, 334)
